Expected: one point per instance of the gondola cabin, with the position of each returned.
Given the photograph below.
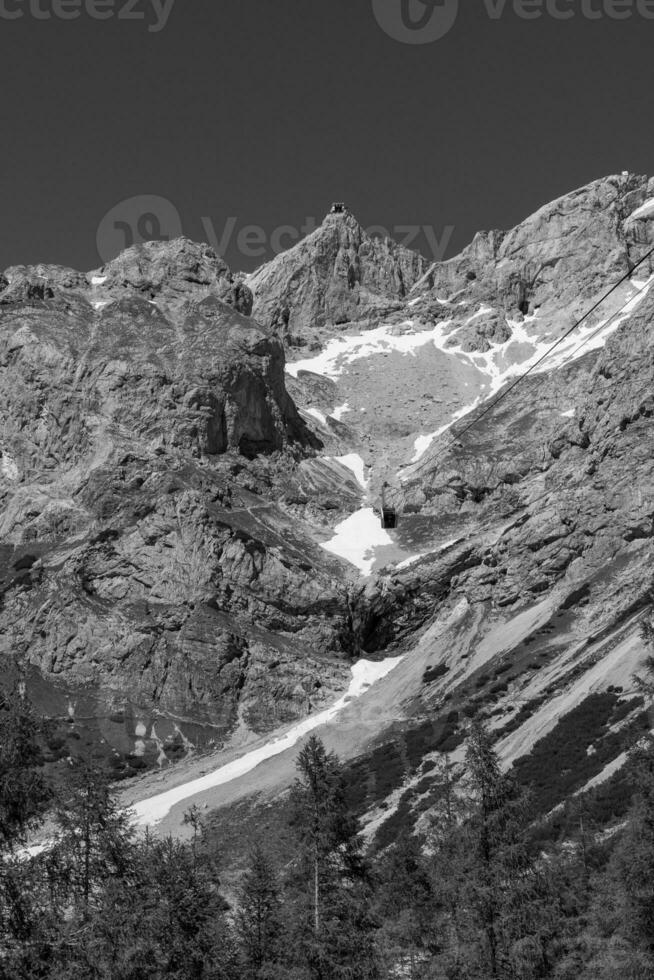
(389, 517)
(388, 511)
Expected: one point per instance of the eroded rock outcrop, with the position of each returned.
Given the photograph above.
(558, 257)
(180, 271)
(147, 441)
(337, 274)
(164, 501)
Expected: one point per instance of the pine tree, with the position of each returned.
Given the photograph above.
(24, 790)
(163, 916)
(499, 908)
(93, 840)
(327, 831)
(24, 796)
(405, 903)
(646, 631)
(183, 913)
(621, 937)
(258, 921)
(331, 917)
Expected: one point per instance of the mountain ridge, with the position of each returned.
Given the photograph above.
(187, 558)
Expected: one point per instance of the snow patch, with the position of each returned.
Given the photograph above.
(425, 554)
(570, 414)
(25, 853)
(316, 415)
(482, 311)
(340, 411)
(354, 463)
(357, 537)
(411, 560)
(341, 351)
(645, 210)
(98, 280)
(496, 363)
(422, 443)
(609, 769)
(365, 673)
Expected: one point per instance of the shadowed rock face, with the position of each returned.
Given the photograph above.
(554, 488)
(558, 257)
(144, 446)
(204, 382)
(175, 272)
(541, 500)
(163, 501)
(335, 275)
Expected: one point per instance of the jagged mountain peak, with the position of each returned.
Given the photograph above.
(160, 262)
(177, 536)
(171, 273)
(558, 256)
(178, 270)
(337, 274)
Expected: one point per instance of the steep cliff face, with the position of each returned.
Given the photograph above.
(522, 565)
(144, 447)
(182, 539)
(552, 490)
(549, 492)
(557, 258)
(335, 275)
(174, 273)
(208, 382)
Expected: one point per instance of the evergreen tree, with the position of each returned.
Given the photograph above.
(258, 920)
(326, 829)
(24, 790)
(405, 903)
(183, 918)
(160, 918)
(93, 840)
(24, 796)
(621, 936)
(500, 914)
(330, 892)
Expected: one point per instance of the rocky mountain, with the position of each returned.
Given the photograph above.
(193, 466)
(335, 275)
(146, 447)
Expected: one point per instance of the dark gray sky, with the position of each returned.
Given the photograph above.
(264, 111)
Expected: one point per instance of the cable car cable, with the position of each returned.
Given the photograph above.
(532, 367)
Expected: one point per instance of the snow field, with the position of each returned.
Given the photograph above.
(356, 538)
(579, 343)
(354, 463)
(365, 673)
(341, 351)
(646, 210)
